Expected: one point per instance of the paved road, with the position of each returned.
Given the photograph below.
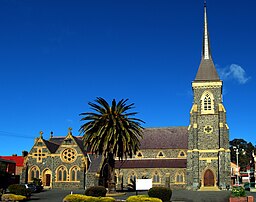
(57, 195)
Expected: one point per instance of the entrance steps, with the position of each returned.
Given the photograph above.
(210, 188)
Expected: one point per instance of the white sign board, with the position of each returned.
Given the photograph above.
(143, 184)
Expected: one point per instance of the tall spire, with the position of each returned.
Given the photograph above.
(206, 42)
(207, 70)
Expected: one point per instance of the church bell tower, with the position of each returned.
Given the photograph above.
(208, 159)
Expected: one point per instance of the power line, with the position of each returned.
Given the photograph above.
(12, 134)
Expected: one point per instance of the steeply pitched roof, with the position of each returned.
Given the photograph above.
(207, 70)
(165, 138)
(51, 146)
(56, 141)
(152, 163)
(96, 162)
(79, 141)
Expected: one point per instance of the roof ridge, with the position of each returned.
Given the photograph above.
(165, 127)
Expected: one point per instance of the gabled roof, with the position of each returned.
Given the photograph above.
(61, 139)
(54, 142)
(48, 145)
(165, 138)
(52, 147)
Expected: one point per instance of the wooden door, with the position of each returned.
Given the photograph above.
(47, 180)
(208, 178)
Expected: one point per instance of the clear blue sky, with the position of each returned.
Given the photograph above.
(56, 56)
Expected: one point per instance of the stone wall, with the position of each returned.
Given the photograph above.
(167, 176)
(208, 149)
(50, 163)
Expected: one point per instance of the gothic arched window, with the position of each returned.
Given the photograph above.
(132, 178)
(179, 177)
(34, 172)
(62, 173)
(73, 173)
(156, 177)
(207, 103)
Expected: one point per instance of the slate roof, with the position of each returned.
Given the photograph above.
(57, 139)
(79, 141)
(51, 146)
(95, 163)
(207, 71)
(153, 138)
(165, 138)
(151, 163)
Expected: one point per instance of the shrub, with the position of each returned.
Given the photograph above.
(96, 191)
(107, 199)
(12, 197)
(162, 193)
(238, 191)
(19, 189)
(84, 198)
(142, 198)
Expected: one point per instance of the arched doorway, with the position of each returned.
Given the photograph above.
(47, 178)
(208, 178)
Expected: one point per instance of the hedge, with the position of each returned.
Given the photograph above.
(84, 198)
(12, 197)
(142, 198)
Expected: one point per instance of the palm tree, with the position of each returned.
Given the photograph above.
(111, 131)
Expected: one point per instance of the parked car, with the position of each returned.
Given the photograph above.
(39, 188)
(31, 187)
(247, 186)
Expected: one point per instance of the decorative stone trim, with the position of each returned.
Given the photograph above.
(68, 155)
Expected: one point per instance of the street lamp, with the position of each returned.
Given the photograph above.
(237, 153)
(236, 149)
(248, 172)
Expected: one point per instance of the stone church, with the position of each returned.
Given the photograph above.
(193, 157)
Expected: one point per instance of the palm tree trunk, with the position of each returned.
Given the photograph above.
(111, 174)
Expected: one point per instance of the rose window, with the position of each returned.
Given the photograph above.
(69, 155)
